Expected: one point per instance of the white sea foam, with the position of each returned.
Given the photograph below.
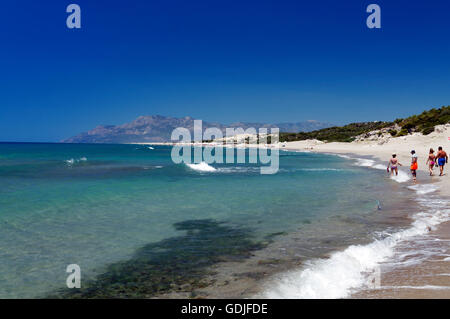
(73, 161)
(364, 162)
(239, 169)
(152, 167)
(346, 271)
(401, 177)
(422, 189)
(257, 169)
(202, 167)
(343, 156)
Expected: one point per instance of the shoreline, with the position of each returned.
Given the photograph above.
(260, 274)
(430, 278)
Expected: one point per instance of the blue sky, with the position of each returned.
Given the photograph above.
(217, 60)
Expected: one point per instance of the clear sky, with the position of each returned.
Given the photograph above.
(217, 60)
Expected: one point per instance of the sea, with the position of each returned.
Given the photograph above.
(139, 225)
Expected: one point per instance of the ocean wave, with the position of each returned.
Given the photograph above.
(400, 178)
(346, 271)
(422, 189)
(341, 155)
(201, 167)
(254, 169)
(364, 162)
(239, 169)
(73, 161)
(152, 167)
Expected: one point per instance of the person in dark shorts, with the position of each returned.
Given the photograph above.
(442, 159)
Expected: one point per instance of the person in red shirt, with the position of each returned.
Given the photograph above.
(414, 165)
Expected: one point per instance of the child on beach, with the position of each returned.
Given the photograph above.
(414, 164)
(431, 161)
(393, 162)
(442, 159)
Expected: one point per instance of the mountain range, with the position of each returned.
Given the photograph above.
(157, 128)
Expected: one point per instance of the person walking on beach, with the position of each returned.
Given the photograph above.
(393, 163)
(431, 161)
(442, 159)
(414, 164)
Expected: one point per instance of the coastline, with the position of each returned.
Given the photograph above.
(258, 275)
(382, 150)
(430, 278)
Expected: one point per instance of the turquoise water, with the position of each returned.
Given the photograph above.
(97, 205)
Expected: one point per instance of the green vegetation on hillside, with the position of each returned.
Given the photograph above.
(423, 123)
(336, 133)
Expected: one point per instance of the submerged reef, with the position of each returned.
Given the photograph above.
(178, 263)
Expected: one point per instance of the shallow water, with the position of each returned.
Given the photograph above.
(126, 212)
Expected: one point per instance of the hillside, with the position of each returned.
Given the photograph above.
(424, 123)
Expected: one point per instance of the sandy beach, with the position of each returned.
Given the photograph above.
(430, 278)
(381, 149)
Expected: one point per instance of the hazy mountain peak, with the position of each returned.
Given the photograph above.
(158, 128)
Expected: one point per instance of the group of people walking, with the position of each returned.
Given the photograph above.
(438, 160)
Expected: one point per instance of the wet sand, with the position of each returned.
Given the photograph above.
(429, 279)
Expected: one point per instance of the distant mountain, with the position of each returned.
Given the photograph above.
(157, 128)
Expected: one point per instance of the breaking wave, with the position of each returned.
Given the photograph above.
(202, 167)
(349, 270)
